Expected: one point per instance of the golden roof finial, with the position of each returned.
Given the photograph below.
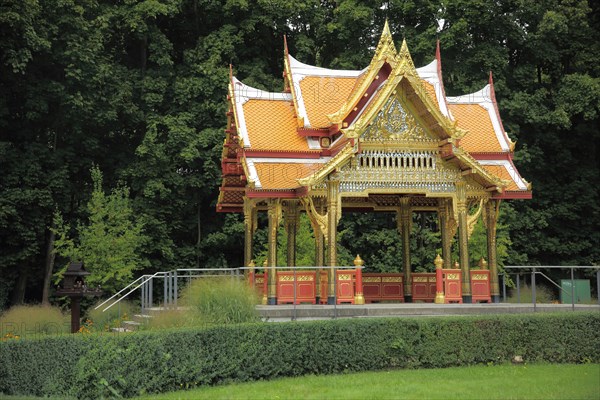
(385, 47)
(406, 64)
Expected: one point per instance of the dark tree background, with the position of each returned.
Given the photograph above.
(138, 89)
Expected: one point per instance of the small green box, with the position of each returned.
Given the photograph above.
(581, 290)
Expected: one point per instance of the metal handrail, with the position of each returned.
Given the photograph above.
(163, 274)
(534, 272)
(150, 277)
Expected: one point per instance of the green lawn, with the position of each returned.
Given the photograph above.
(548, 381)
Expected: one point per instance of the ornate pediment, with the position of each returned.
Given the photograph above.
(394, 123)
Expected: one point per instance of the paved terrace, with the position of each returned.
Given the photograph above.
(309, 312)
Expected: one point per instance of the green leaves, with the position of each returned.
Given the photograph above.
(110, 243)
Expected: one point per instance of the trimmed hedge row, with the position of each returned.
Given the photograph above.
(94, 366)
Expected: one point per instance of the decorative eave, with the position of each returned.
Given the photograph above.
(406, 73)
(497, 112)
(289, 84)
(336, 161)
(384, 53)
(471, 165)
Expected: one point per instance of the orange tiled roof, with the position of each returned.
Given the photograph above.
(324, 95)
(476, 119)
(271, 125)
(502, 173)
(277, 176)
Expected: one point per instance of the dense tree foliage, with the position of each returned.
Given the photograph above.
(138, 88)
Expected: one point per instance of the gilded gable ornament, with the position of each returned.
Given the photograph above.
(394, 123)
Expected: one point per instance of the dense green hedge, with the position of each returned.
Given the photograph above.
(93, 366)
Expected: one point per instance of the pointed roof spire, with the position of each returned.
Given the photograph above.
(230, 72)
(285, 46)
(493, 99)
(385, 47)
(406, 64)
(438, 55)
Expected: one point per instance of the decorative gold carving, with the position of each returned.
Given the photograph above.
(452, 276)
(391, 279)
(298, 278)
(384, 53)
(371, 279)
(393, 123)
(472, 219)
(318, 221)
(479, 277)
(344, 277)
(420, 279)
(319, 176)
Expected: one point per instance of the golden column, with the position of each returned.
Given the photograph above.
(490, 219)
(249, 229)
(274, 212)
(405, 221)
(463, 237)
(319, 251)
(445, 231)
(333, 186)
(291, 226)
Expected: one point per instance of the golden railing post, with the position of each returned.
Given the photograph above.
(358, 294)
(265, 283)
(251, 276)
(439, 280)
(482, 263)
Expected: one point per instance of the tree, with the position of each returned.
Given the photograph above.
(110, 243)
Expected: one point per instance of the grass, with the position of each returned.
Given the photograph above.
(31, 321)
(542, 295)
(103, 321)
(539, 381)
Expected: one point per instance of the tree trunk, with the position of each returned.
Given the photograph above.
(50, 255)
(199, 241)
(18, 296)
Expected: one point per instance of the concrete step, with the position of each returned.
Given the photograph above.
(131, 326)
(120, 330)
(143, 318)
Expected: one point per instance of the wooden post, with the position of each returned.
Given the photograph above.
(274, 212)
(358, 294)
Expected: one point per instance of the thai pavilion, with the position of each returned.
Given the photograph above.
(385, 138)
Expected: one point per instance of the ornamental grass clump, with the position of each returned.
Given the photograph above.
(103, 321)
(220, 301)
(31, 321)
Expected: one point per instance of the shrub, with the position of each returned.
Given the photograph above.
(103, 321)
(28, 321)
(169, 319)
(95, 366)
(220, 301)
(542, 295)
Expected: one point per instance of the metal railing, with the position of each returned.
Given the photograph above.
(145, 284)
(171, 284)
(536, 270)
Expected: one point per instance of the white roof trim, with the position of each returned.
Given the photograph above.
(313, 144)
(484, 99)
(310, 70)
(301, 71)
(243, 93)
(320, 160)
(253, 173)
(511, 171)
(429, 73)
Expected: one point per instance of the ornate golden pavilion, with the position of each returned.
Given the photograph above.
(385, 138)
